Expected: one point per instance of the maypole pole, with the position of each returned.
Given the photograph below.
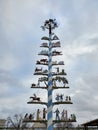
(50, 25)
(49, 106)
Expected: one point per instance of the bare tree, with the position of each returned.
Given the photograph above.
(16, 122)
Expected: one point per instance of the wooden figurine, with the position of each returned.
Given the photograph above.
(45, 71)
(64, 115)
(61, 62)
(44, 114)
(26, 116)
(54, 83)
(66, 99)
(44, 44)
(69, 99)
(33, 85)
(38, 115)
(73, 117)
(56, 44)
(57, 97)
(57, 114)
(57, 70)
(54, 62)
(31, 116)
(55, 37)
(61, 97)
(38, 70)
(35, 98)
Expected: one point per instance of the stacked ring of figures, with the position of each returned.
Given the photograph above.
(42, 114)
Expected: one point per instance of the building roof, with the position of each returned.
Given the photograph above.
(2, 122)
(39, 125)
(91, 123)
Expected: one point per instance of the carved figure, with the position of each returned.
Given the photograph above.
(33, 85)
(55, 38)
(57, 114)
(61, 62)
(59, 79)
(57, 69)
(38, 70)
(38, 84)
(43, 79)
(38, 115)
(57, 97)
(69, 98)
(44, 113)
(65, 81)
(73, 117)
(31, 116)
(44, 38)
(45, 71)
(26, 116)
(66, 99)
(61, 97)
(57, 44)
(54, 83)
(54, 62)
(35, 98)
(56, 52)
(64, 115)
(44, 52)
(44, 44)
(63, 72)
(37, 62)
(44, 61)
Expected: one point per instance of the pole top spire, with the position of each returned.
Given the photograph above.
(50, 24)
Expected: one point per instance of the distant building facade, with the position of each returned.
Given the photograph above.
(2, 123)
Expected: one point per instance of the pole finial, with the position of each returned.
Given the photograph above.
(50, 24)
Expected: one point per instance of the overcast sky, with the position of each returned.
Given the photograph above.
(20, 39)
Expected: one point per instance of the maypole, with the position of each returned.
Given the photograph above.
(50, 25)
(51, 80)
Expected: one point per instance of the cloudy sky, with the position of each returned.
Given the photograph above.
(20, 39)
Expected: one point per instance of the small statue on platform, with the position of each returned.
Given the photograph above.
(38, 115)
(63, 72)
(44, 114)
(31, 116)
(35, 95)
(57, 114)
(57, 70)
(44, 61)
(33, 85)
(64, 115)
(54, 84)
(73, 117)
(61, 97)
(45, 71)
(54, 62)
(66, 99)
(57, 97)
(38, 84)
(26, 116)
(35, 98)
(69, 99)
(61, 62)
(38, 70)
